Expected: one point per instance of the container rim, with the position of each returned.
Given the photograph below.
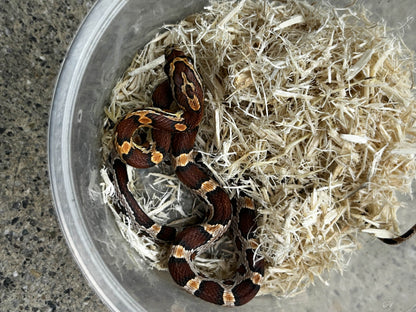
(59, 163)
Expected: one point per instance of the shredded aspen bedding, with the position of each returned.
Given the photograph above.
(309, 110)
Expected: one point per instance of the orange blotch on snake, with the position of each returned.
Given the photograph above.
(188, 90)
(213, 229)
(253, 244)
(193, 284)
(248, 203)
(194, 103)
(145, 120)
(182, 160)
(157, 157)
(228, 298)
(178, 252)
(208, 186)
(124, 148)
(155, 228)
(180, 127)
(256, 278)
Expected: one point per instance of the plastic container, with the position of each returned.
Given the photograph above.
(379, 278)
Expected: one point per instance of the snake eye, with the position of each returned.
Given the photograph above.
(190, 59)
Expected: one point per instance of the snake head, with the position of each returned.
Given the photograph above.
(171, 52)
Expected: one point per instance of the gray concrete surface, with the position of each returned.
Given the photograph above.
(37, 271)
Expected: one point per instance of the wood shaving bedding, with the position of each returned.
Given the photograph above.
(309, 110)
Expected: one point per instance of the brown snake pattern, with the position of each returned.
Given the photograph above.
(174, 132)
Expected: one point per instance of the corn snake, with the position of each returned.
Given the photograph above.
(175, 132)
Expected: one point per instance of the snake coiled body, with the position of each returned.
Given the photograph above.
(174, 132)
